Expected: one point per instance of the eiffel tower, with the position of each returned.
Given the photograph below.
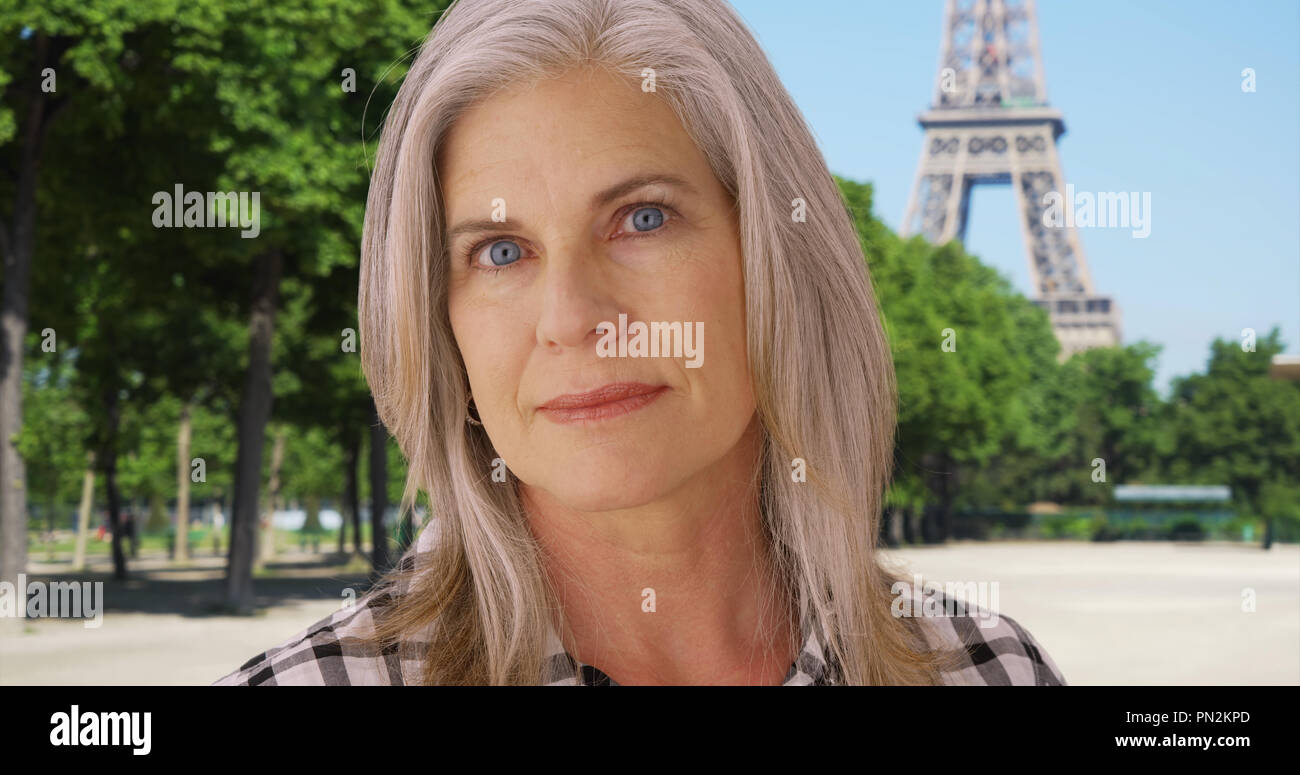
(990, 124)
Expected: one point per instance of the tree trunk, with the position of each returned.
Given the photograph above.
(115, 521)
(17, 241)
(311, 528)
(890, 529)
(83, 514)
(115, 517)
(936, 514)
(157, 514)
(947, 496)
(929, 532)
(311, 506)
(181, 550)
(343, 528)
(254, 413)
(378, 491)
(226, 506)
(272, 501)
(351, 497)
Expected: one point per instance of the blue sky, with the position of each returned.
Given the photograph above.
(1152, 97)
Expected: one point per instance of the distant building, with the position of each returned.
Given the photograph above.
(1285, 367)
(1148, 493)
(1175, 505)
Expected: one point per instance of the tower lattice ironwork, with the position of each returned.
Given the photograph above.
(990, 123)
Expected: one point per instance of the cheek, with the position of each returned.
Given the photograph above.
(718, 297)
(710, 289)
(489, 341)
(465, 329)
(731, 344)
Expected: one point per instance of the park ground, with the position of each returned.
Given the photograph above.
(1153, 613)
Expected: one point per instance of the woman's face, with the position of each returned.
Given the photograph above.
(570, 202)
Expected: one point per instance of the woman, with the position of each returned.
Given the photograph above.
(616, 315)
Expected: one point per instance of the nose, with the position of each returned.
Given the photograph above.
(575, 300)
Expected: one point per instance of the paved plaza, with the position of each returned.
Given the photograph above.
(1141, 613)
(1120, 613)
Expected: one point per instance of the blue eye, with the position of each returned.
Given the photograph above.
(647, 218)
(504, 252)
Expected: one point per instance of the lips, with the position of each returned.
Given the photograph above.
(605, 402)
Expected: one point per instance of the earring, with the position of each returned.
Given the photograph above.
(470, 411)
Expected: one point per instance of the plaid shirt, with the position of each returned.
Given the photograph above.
(336, 651)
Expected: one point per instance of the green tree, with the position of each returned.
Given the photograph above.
(1235, 425)
(966, 347)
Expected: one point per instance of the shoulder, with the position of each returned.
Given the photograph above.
(335, 651)
(992, 649)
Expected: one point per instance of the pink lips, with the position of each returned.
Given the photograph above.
(612, 400)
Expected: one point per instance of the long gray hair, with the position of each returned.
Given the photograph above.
(477, 607)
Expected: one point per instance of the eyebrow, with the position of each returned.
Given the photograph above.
(601, 199)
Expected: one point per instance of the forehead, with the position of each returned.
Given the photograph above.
(565, 135)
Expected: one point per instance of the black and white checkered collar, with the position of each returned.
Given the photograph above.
(810, 668)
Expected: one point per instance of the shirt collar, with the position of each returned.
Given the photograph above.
(810, 667)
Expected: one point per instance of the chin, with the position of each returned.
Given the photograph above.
(610, 483)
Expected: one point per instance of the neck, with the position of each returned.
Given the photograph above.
(678, 590)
